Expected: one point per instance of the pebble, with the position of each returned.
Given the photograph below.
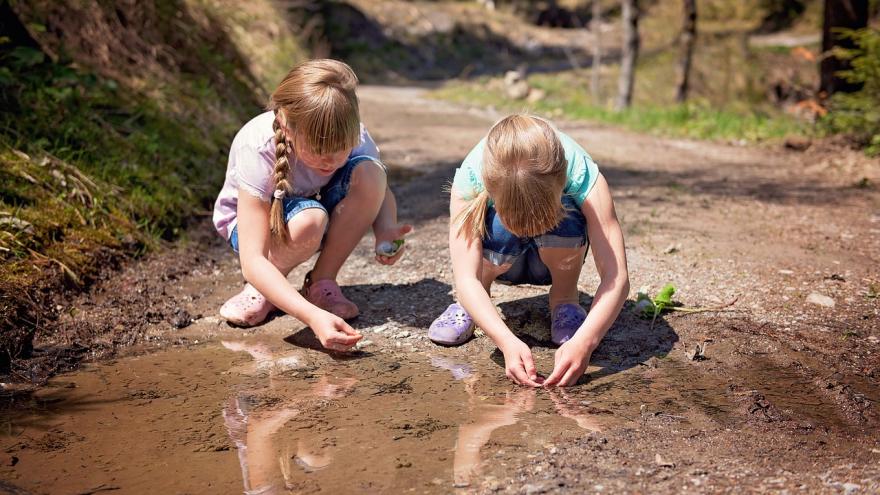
(402, 335)
(820, 299)
(672, 248)
(533, 489)
(850, 488)
(786, 272)
(873, 339)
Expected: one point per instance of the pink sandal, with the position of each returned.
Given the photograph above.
(247, 308)
(327, 295)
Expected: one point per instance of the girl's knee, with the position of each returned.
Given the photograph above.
(368, 178)
(496, 269)
(307, 228)
(557, 258)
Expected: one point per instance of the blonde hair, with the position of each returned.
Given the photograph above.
(318, 101)
(524, 173)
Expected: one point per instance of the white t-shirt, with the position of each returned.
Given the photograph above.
(251, 165)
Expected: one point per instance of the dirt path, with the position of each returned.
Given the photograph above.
(785, 400)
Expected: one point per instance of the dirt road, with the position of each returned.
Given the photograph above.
(785, 398)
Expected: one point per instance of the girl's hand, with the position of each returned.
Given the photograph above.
(571, 359)
(519, 365)
(333, 332)
(389, 235)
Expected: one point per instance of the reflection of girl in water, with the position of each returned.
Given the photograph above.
(252, 431)
(486, 418)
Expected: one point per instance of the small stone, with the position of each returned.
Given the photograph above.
(872, 339)
(672, 248)
(533, 489)
(363, 343)
(181, 318)
(786, 272)
(850, 488)
(660, 461)
(536, 95)
(797, 143)
(402, 335)
(820, 300)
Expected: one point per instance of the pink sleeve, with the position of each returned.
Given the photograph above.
(253, 173)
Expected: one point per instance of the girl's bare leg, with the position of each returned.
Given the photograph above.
(489, 272)
(565, 267)
(351, 218)
(305, 231)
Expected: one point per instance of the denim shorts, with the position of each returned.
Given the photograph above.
(501, 247)
(331, 195)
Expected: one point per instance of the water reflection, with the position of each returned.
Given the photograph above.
(486, 418)
(252, 429)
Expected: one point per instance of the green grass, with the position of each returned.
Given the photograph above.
(571, 99)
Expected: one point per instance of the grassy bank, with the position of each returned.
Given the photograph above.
(114, 135)
(570, 99)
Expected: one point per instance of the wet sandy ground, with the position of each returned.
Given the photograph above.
(786, 400)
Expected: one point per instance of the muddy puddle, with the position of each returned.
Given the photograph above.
(261, 414)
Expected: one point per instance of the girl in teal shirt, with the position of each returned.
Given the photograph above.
(526, 204)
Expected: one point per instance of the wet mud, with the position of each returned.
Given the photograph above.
(266, 413)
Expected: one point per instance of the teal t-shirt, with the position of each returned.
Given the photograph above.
(582, 171)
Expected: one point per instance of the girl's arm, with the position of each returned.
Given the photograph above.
(386, 228)
(254, 240)
(467, 262)
(606, 239)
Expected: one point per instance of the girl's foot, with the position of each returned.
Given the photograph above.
(327, 295)
(247, 308)
(564, 322)
(453, 327)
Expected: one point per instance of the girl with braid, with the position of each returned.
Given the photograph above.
(302, 177)
(526, 204)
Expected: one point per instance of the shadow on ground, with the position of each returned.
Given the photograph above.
(630, 341)
(448, 49)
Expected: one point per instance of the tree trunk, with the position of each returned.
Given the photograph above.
(687, 39)
(631, 42)
(597, 52)
(849, 14)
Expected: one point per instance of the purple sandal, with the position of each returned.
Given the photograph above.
(453, 327)
(564, 322)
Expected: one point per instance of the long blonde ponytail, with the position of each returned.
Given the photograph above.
(471, 220)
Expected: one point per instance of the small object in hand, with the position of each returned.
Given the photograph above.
(389, 249)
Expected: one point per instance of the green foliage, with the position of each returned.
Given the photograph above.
(695, 119)
(650, 308)
(858, 114)
(163, 167)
